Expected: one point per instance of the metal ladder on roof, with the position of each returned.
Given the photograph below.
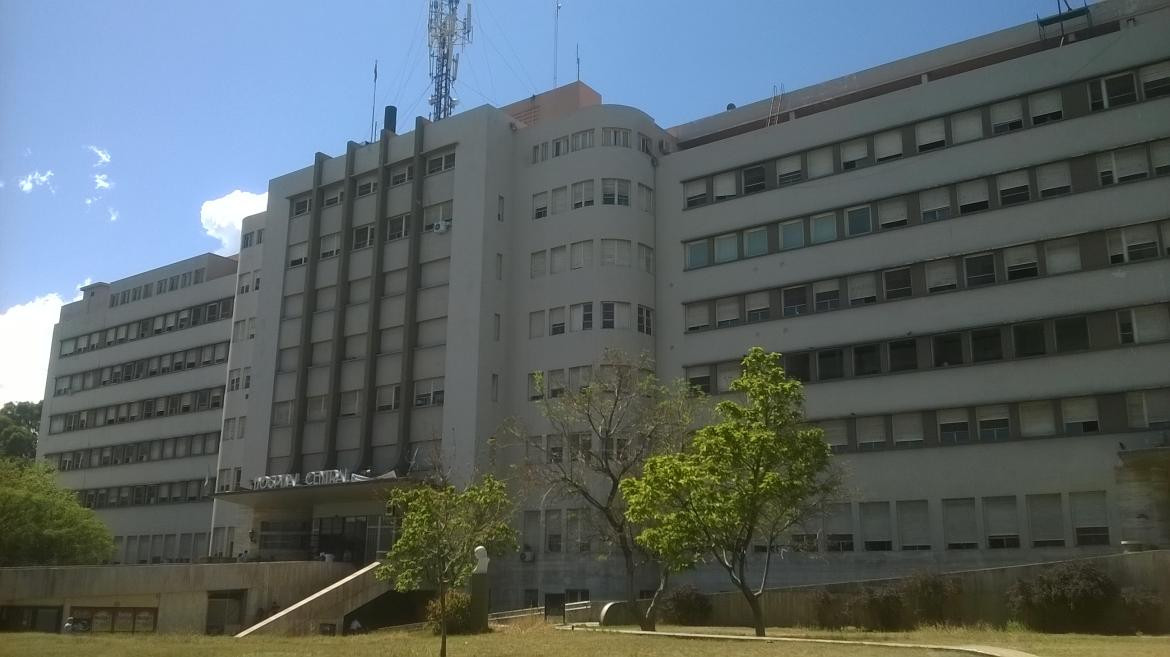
(774, 112)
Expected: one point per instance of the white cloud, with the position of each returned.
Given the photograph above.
(113, 214)
(102, 181)
(103, 155)
(26, 337)
(1, 184)
(89, 201)
(221, 217)
(36, 179)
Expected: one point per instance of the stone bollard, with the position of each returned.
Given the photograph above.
(479, 591)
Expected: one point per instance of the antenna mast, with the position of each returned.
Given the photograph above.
(556, 33)
(445, 32)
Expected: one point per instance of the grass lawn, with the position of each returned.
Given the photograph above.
(1045, 645)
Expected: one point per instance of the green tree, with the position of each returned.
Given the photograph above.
(439, 529)
(602, 432)
(19, 422)
(43, 523)
(742, 481)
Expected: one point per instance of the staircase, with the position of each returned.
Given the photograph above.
(327, 606)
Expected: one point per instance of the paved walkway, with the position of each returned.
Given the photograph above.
(986, 651)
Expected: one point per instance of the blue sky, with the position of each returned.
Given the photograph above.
(192, 101)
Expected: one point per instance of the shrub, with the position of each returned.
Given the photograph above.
(830, 610)
(879, 608)
(458, 614)
(686, 605)
(931, 599)
(1067, 597)
(1143, 609)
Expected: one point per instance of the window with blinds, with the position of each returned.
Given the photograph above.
(820, 162)
(1007, 116)
(827, 295)
(823, 228)
(1046, 106)
(1013, 187)
(794, 300)
(967, 126)
(1062, 256)
(1132, 243)
(907, 428)
(1122, 166)
(914, 524)
(930, 135)
(758, 305)
(1155, 80)
(1151, 324)
(838, 528)
(892, 213)
(876, 533)
(1160, 156)
(862, 289)
(1037, 419)
(1001, 522)
(1021, 262)
(1079, 415)
(1053, 179)
(993, 423)
(699, 378)
(935, 204)
(1046, 520)
(726, 247)
(725, 373)
(953, 426)
(835, 433)
(1090, 518)
(941, 275)
(789, 171)
(960, 531)
(871, 431)
(695, 192)
(727, 312)
(972, 196)
(854, 153)
(887, 145)
(724, 185)
(698, 316)
(1148, 409)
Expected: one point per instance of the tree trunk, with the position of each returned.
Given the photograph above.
(645, 622)
(757, 609)
(442, 621)
(652, 608)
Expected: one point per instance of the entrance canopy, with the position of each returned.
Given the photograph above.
(308, 496)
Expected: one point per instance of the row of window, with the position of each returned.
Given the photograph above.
(906, 524)
(141, 368)
(194, 490)
(252, 238)
(160, 449)
(927, 206)
(244, 329)
(145, 328)
(614, 315)
(427, 392)
(187, 402)
(431, 333)
(162, 286)
(436, 218)
(160, 548)
(933, 134)
(234, 428)
(431, 274)
(552, 383)
(983, 345)
(583, 139)
(614, 191)
(962, 272)
(229, 479)
(575, 447)
(239, 379)
(579, 255)
(248, 281)
(400, 174)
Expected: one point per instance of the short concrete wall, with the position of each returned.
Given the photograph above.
(178, 590)
(982, 598)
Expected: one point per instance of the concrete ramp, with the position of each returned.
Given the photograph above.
(327, 606)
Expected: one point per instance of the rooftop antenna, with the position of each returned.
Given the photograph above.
(556, 34)
(445, 32)
(374, 101)
(578, 62)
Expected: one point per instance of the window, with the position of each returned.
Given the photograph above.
(725, 374)
(755, 242)
(1021, 262)
(953, 426)
(794, 301)
(645, 198)
(959, 528)
(1029, 339)
(1148, 409)
(616, 137)
(1155, 80)
(903, 355)
(1062, 256)
(699, 378)
(892, 213)
(1090, 518)
(560, 146)
(444, 162)
(1046, 520)
(437, 215)
(401, 174)
(1112, 92)
(556, 321)
(581, 316)
(645, 258)
(1046, 106)
(1013, 188)
(698, 316)
(582, 140)
(967, 126)
(297, 254)
(980, 269)
(830, 364)
(334, 199)
(695, 193)
(396, 227)
(1072, 334)
(581, 254)
(367, 188)
(245, 241)
(560, 200)
(824, 228)
(727, 312)
(758, 306)
(552, 518)
(1122, 166)
(986, 345)
(788, 171)
(301, 206)
(582, 194)
(388, 397)
(615, 191)
(645, 320)
(908, 429)
(858, 221)
(724, 185)
(876, 534)
(941, 275)
(798, 366)
(973, 196)
(537, 264)
(350, 403)
(993, 423)
(838, 528)
(558, 259)
(1001, 522)
(935, 204)
(726, 248)
(1159, 155)
(898, 283)
(887, 145)
(363, 236)
(429, 392)
(930, 135)
(1007, 116)
(753, 179)
(615, 315)
(615, 252)
(948, 349)
(820, 162)
(866, 360)
(1133, 243)
(854, 154)
(792, 234)
(914, 524)
(645, 144)
(862, 289)
(827, 295)
(1079, 415)
(330, 245)
(536, 324)
(1037, 419)
(540, 205)
(579, 378)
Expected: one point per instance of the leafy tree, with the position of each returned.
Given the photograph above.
(43, 523)
(743, 480)
(439, 529)
(19, 422)
(601, 434)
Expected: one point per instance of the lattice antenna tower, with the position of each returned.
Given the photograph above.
(446, 32)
